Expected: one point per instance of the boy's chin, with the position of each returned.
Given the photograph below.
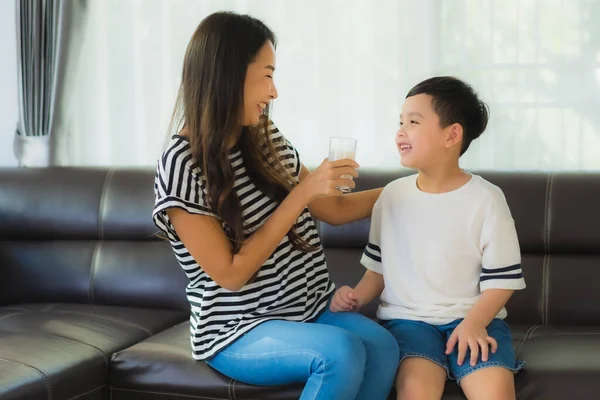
(406, 163)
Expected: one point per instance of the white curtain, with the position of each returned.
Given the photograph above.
(344, 67)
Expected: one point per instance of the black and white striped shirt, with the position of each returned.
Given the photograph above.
(291, 285)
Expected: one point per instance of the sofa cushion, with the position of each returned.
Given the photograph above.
(66, 367)
(63, 350)
(563, 361)
(21, 381)
(162, 367)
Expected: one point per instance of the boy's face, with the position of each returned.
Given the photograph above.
(420, 140)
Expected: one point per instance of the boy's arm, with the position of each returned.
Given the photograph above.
(339, 210)
(370, 286)
(488, 306)
(501, 272)
(501, 275)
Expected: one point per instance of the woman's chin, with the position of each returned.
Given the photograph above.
(250, 124)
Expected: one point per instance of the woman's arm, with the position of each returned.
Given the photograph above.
(204, 238)
(339, 210)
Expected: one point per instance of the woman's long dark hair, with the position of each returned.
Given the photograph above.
(210, 105)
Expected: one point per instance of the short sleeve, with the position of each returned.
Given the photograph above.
(288, 153)
(371, 257)
(177, 185)
(501, 258)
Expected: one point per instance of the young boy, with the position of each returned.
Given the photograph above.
(443, 254)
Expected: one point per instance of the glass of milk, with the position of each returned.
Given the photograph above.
(341, 148)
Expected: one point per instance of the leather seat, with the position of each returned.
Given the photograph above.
(62, 351)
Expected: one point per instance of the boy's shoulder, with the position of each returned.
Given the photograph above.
(492, 197)
(400, 186)
(489, 190)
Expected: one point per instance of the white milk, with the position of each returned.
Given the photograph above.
(340, 154)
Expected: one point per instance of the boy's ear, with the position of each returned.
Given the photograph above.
(455, 134)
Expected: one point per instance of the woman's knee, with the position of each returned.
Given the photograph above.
(346, 352)
(382, 348)
(388, 345)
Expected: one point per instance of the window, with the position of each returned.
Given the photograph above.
(344, 67)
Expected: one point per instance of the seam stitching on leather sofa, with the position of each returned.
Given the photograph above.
(107, 179)
(10, 315)
(233, 389)
(93, 263)
(229, 388)
(546, 267)
(526, 337)
(544, 289)
(78, 342)
(110, 319)
(46, 379)
(574, 334)
(188, 396)
(547, 214)
(91, 391)
(15, 308)
(83, 343)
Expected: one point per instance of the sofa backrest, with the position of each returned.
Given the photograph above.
(84, 235)
(557, 217)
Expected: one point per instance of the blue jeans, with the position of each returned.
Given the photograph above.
(338, 356)
(419, 339)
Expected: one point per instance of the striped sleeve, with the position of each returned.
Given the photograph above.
(501, 259)
(371, 258)
(176, 185)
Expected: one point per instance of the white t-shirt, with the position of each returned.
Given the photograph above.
(438, 252)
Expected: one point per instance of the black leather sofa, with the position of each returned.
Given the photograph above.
(92, 302)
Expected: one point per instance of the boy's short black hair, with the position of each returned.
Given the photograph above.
(455, 101)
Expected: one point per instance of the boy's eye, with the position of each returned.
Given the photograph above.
(413, 122)
(401, 123)
(269, 76)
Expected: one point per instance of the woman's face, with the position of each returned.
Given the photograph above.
(259, 88)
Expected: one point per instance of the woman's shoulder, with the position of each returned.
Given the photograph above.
(177, 158)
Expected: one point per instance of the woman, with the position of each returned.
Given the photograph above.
(237, 205)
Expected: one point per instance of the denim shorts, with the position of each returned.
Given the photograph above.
(419, 339)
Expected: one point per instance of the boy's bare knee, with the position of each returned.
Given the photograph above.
(492, 383)
(420, 379)
(416, 389)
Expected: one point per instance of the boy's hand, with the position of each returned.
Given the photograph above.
(472, 335)
(344, 299)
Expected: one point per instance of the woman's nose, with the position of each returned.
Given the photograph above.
(274, 93)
